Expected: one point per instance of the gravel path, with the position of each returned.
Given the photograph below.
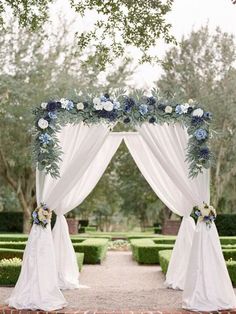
(119, 284)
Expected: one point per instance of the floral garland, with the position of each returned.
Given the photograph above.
(205, 213)
(42, 215)
(136, 109)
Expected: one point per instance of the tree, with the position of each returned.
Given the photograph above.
(202, 68)
(33, 70)
(117, 24)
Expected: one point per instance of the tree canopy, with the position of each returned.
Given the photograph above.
(117, 23)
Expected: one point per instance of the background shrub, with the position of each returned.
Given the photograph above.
(94, 250)
(146, 251)
(11, 221)
(226, 224)
(9, 271)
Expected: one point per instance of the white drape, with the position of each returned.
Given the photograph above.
(96, 161)
(160, 153)
(208, 286)
(37, 286)
(81, 144)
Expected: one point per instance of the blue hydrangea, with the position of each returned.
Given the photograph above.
(69, 105)
(52, 115)
(200, 134)
(116, 105)
(204, 153)
(143, 109)
(34, 214)
(179, 109)
(103, 98)
(45, 138)
(208, 115)
(197, 121)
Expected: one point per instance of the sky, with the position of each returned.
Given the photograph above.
(185, 16)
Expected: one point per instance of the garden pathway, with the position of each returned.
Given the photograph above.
(119, 284)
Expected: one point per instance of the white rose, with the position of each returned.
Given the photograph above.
(198, 112)
(96, 101)
(42, 123)
(185, 107)
(43, 105)
(63, 102)
(98, 106)
(108, 106)
(168, 109)
(190, 101)
(80, 106)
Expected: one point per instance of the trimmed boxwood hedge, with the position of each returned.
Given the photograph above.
(10, 273)
(94, 250)
(145, 251)
(10, 253)
(229, 253)
(228, 240)
(231, 266)
(13, 245)
(13, 237)
(165, 256)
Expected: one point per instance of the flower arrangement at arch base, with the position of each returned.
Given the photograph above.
(205, 213)
(42, 215)
(133, 109)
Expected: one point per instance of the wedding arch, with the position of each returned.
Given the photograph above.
(74, 144)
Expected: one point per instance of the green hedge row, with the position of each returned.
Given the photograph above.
(94, 250)
(13, 237)
(6, 253)
(145, 251)
(164, 257)
(10, 269)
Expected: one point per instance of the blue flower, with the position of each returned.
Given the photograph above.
(53, 105)
(36, 221)
(69, 105)
(151, 101)
(198, 213)
(204, 153)
(103, 98)
(52, 115)
(143, 109)
(129, 103)
(45, 138)
(197, 121)
(127, 120)
(208, 115)
(178, 109)
(200, 134)
(152, 120)
(34, 214)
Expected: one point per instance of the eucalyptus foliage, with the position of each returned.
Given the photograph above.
(134, 109)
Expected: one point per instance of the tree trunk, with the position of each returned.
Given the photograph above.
(26, 220)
